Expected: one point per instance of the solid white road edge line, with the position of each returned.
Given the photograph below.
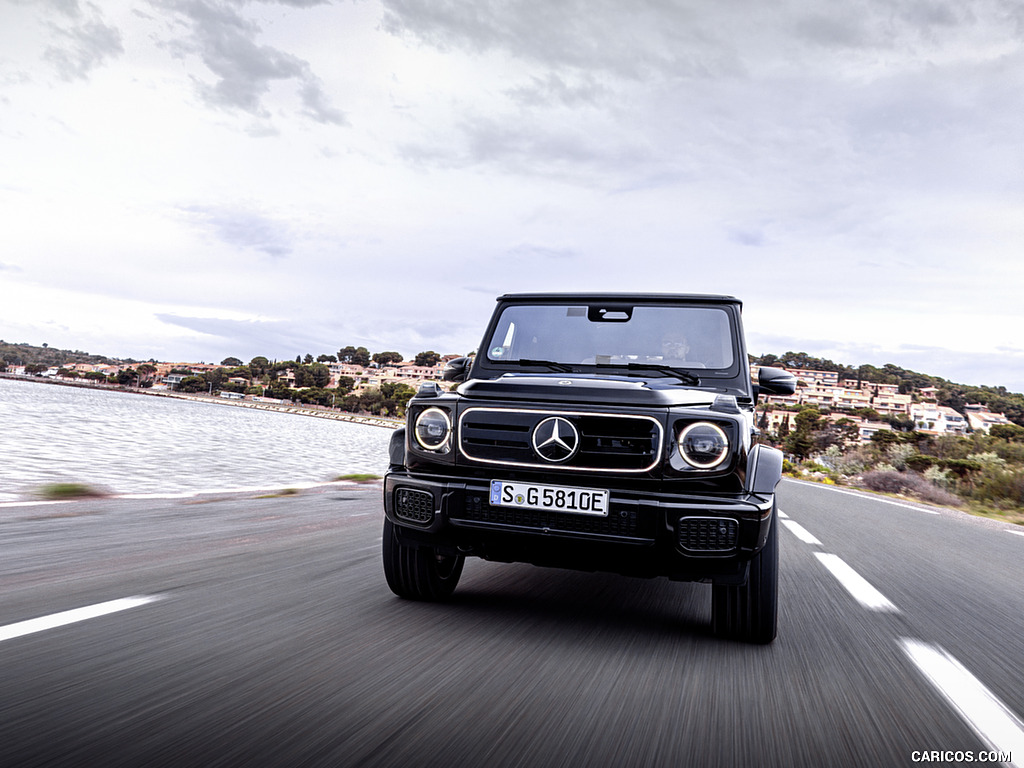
(70, 617)
(997, 726)
(856, 585)
(1016, 533)
(876, 498)
(800, 532)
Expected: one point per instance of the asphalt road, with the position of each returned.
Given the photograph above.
(264, 634)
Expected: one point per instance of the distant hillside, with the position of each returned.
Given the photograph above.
(956, 396)
(26, 354)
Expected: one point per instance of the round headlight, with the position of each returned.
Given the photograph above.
(703, 445)
(433, 428)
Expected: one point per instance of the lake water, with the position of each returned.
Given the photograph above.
(128, 443)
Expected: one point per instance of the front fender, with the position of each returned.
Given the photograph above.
(764, 469)
(396, 448)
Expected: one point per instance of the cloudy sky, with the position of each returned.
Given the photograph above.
(198, 179)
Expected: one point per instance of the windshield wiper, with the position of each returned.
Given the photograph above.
(561, 367)
(684, 376)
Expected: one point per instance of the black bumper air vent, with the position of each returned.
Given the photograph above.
(708, 534)
(414, 506)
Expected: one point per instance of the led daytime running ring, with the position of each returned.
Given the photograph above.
(722, 454)
(443, 443)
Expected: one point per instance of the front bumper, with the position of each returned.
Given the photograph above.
(684, 537)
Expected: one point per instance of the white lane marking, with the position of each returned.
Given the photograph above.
(783, 515)
(997, 726)
(856, 585)
(1016, 533)
(70, 617)
(876, 498)
(801, 533)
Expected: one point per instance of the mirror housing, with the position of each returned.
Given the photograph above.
(457, 369)
(776, 381)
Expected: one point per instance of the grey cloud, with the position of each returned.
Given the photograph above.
(317, 106)
(67, 7)
(87, 45)
(532, 146)
(528, 250)
(225, 41)
(553, 89)
(626, 39)
(248, 338)
(693, 39)
(971, 368)
(749, 236)
(244, 229)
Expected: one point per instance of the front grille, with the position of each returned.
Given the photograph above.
(622, 521)
(708, 534)
(607, 442)
(414, 505)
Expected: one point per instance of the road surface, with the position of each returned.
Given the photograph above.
(259, 631)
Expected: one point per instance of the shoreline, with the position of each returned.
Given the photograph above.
(299, 410)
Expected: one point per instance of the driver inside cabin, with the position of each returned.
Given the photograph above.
(674, 348)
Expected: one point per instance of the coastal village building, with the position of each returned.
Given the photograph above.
(981, 419)
(823, 390)
(933, 419)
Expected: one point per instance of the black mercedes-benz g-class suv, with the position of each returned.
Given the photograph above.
(601, 432)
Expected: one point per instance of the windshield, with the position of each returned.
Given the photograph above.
(614, 335)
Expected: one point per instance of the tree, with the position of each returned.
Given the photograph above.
(1010, 432)
(800, 441)
(192, 384)
(231, 362)
(396, 396)
(303, 377)
(885, 437)
(428, 358)
(387, 358)
(321, 374)
(259, 366)
(354, 355)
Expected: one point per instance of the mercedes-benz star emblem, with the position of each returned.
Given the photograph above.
(556, 439)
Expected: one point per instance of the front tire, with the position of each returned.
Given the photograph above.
(418, 573)
(749, 612)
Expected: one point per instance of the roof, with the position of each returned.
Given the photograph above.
(658, 298)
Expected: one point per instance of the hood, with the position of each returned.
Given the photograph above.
(607, 390)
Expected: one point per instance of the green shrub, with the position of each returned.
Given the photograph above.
(61, 491)
(359, 478)
(1001, 487)
(920, 463)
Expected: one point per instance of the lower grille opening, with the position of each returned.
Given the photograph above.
(622, 521)
(414, 506)
(708, 534)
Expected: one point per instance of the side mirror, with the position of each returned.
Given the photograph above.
(775, 381)
(457, 369)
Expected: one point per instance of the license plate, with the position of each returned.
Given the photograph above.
(554, 498)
